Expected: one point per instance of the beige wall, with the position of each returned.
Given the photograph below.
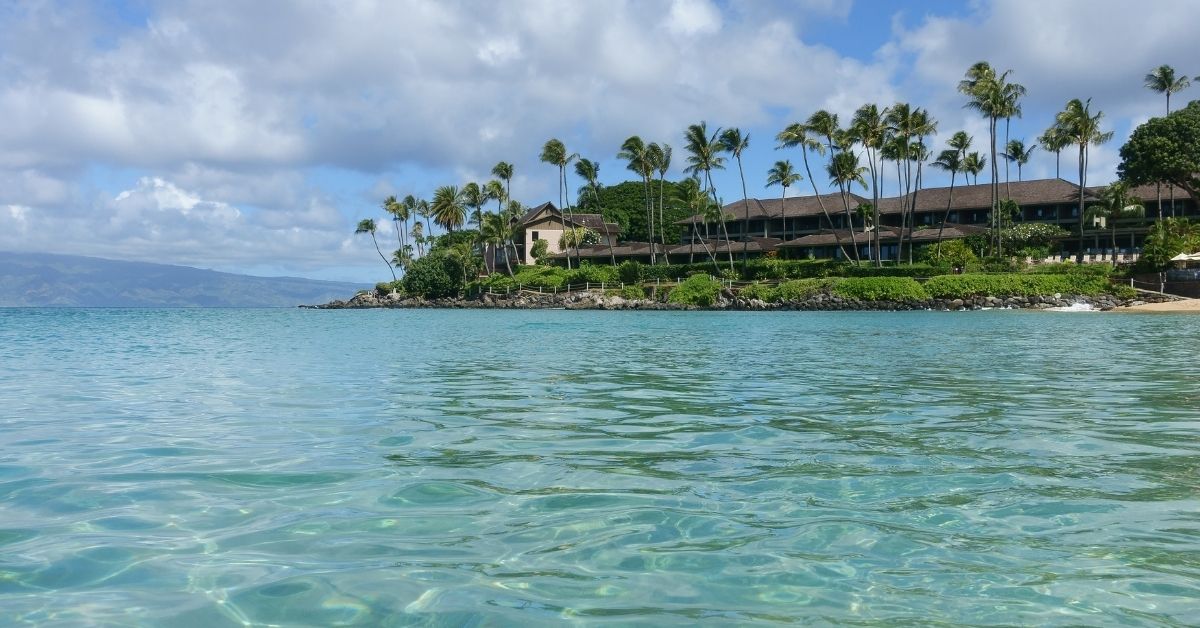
(551, 229)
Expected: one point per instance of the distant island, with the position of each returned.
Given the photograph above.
(47, 280)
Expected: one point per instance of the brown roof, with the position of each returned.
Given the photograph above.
(1037, 192)
(771, 207)
(595, 222)
(753, 245)
(625, 249)
(951, 232)
(827, 237)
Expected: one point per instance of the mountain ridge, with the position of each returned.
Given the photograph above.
(55, 280)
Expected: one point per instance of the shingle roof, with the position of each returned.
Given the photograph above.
(1037, 192)
(771, 207)
(594, 222)
(753, 245)
(625, 249)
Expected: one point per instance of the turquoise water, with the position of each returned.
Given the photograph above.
(232, 467)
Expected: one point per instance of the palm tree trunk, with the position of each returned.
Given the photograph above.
(648, 201)
(662, 225)
(850, 222)
(837, 238)
(1007, 184)
(385, 260)
(746, 217)
(1079, 255)
(946, 217)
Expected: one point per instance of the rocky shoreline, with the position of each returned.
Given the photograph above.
(728, 300)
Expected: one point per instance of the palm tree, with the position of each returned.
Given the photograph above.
(662, 165)
(1116, 204)
(495, 233)
(399, 218)
(923, 124)
(703, 156)
(973, 164)
(504, 172)
(418, 237)
(1077, 123)
(870, 128)
(783, 175)
(367, 225)
(654, 156)
(638, 159)
(474, 198)
(844, 170)
(692, 196)
(494, 190)
(1053, 141)
(796, 134)
(554, 152)
(952, 160)
(589, 171)
(993, 97)
(402, 256)
(1162, 80)
(449, 209)
(733, 142)
(1017, 153)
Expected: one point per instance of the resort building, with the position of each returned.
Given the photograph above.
(820, 227)
(547, 222)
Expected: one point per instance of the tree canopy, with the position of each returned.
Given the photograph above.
(1165, 150)
(625, 205)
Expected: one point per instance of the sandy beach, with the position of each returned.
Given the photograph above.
(1190, 306)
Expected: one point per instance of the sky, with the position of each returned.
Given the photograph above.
(251, 137)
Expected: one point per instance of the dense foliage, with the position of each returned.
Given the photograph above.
(1021, 285)
(700, 290)
(1165, 150)
(1174, 236)
(954, 254)
(880, 289)
(625, 204)
(1033, 239)
(434, 276)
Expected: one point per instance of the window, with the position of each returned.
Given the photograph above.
(535, 236)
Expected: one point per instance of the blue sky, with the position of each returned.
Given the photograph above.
(251, 136)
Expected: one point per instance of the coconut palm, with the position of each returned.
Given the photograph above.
(1164, 81)
(990, 94)
(399, 218)
(1077, 123)
(692, 196)
(367, 225)
(869, 128)
(783, 175)
(1053, 141)
(845, 170)
(662, 165)
(923, 124)
(638, 159)
(418, 237)
(494, 190)
(589, 171)
(797, 134)
(654, 156)
(402, 256)
(554, 152)
(449, 208)
(1017, 153)
(704, 157)
(952, 160)
(735, 143)
(475, 198)
(1116, 204)
(504, 172)
(973, 164)
(495, 233)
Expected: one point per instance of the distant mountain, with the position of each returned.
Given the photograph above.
(45, 280)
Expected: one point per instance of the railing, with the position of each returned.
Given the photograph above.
(589, 286)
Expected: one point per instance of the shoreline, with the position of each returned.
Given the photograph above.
(729, 301)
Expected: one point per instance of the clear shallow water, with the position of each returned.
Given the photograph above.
(224, 467)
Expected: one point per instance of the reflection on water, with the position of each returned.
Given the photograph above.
(208, 468)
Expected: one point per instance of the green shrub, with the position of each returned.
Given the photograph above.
(880, 289)
(630, 272)
(1071, 268)
(387, 287)
(1021, 285)
(955, 253)
(701, 290)
(591, 273)
(629, 293)
(759, 291)
(433, 277)
(802, 289)
(906, 270)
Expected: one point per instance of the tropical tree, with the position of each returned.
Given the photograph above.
(952, 160)
(1116, 204)
(475, 198)
(367, 225)
(844, 170)
(1077, 123)
(496, 232)
(399, 219)
(691, 194)
(1054, 142)
(735, 143)
(654, 157)
(448, 209)
(1165, 149)
(1018, 153)
(504, 172)
(704, 157)
(494, 191)
(869, 128)
(783, 175)
(797, 134)
(662, 163)
(973, 164)
(1164, 81)
(990, 94)
(589, 171)
(402, 257)
(554, 152)
(638, 159)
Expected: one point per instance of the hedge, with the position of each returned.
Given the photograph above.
(1021, 285)
(880, 289)
(701, 290)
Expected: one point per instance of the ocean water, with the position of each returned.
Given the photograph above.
(447, 468)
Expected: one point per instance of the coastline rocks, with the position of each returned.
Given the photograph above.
(728, 300)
